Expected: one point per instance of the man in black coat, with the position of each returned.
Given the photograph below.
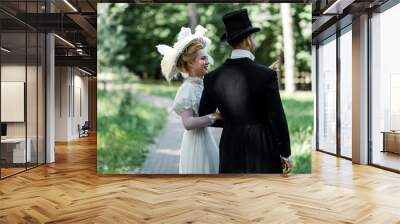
(255, 136)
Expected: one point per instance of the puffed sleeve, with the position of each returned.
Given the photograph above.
(183, 99)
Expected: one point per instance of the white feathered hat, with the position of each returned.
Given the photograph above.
(172, 54)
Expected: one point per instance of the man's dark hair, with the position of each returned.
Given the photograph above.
(235, 42)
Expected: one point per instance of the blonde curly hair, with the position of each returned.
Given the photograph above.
(189, 55)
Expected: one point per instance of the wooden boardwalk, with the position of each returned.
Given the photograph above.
(70, 191)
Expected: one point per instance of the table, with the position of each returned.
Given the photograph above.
(15, 148)
(391, 141)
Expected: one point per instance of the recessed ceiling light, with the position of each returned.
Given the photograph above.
(64, 40)
(70, 5)
(5, 49)
(84, 71)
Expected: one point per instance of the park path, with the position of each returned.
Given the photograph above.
(163, 156)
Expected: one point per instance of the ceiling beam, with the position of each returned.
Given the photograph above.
(86, 27)
(82, 61)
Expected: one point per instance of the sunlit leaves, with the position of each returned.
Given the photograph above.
(128, 33)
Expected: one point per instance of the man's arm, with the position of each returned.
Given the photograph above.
(207, 106)
(278, 119)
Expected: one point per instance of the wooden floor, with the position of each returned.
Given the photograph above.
(70, 191)
(10, 171)
(387, 159)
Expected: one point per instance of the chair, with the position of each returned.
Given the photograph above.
(84, 130)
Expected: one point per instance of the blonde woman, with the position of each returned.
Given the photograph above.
(198, 153)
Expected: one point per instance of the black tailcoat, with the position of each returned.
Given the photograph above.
(255, 131)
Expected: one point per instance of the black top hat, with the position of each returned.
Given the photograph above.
(237, 25)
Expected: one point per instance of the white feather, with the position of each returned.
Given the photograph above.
(164, 49)
(185, 32)
(171, 54)
(200, 30)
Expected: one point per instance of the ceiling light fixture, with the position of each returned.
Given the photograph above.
(337, 7)
(86, 72)
(64, 40)
(5, 49)
(70, 5)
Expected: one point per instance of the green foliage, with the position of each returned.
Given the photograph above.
(112, 39)
(302, 162)
(126, 127)
(302, 36)
(299, 114)
(139, 28)
(157, 87)
(128, 33)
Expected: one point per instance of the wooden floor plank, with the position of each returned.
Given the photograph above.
(70, 191)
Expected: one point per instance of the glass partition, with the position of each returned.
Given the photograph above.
(22, 77)
(385, 89)
(327, 95)
(14, 153)
(346, 92)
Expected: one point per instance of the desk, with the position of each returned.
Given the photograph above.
(15, 148)
(391, 141)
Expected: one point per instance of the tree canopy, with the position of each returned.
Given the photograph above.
(128, 33)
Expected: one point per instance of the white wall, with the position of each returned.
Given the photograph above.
(33, 126)
(314, 91)
(14, 72)
(62, 81)
(71, 94)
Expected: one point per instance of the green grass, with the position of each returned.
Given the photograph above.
(158, 88)
(126, 128)
(299, 114)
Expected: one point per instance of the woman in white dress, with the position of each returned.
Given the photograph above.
(199, 153)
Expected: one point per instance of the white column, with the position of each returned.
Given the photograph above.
(360, 90)
(314, 92)
(50, 94)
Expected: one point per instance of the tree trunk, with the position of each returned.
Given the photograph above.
(192, 9)
(278, 54)
(288, 50)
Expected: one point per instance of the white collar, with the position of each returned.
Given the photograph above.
(185, 75)
(240, 53)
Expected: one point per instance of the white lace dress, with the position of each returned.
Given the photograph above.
(199, 153)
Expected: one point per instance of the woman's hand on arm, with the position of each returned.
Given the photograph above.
(190, 122)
